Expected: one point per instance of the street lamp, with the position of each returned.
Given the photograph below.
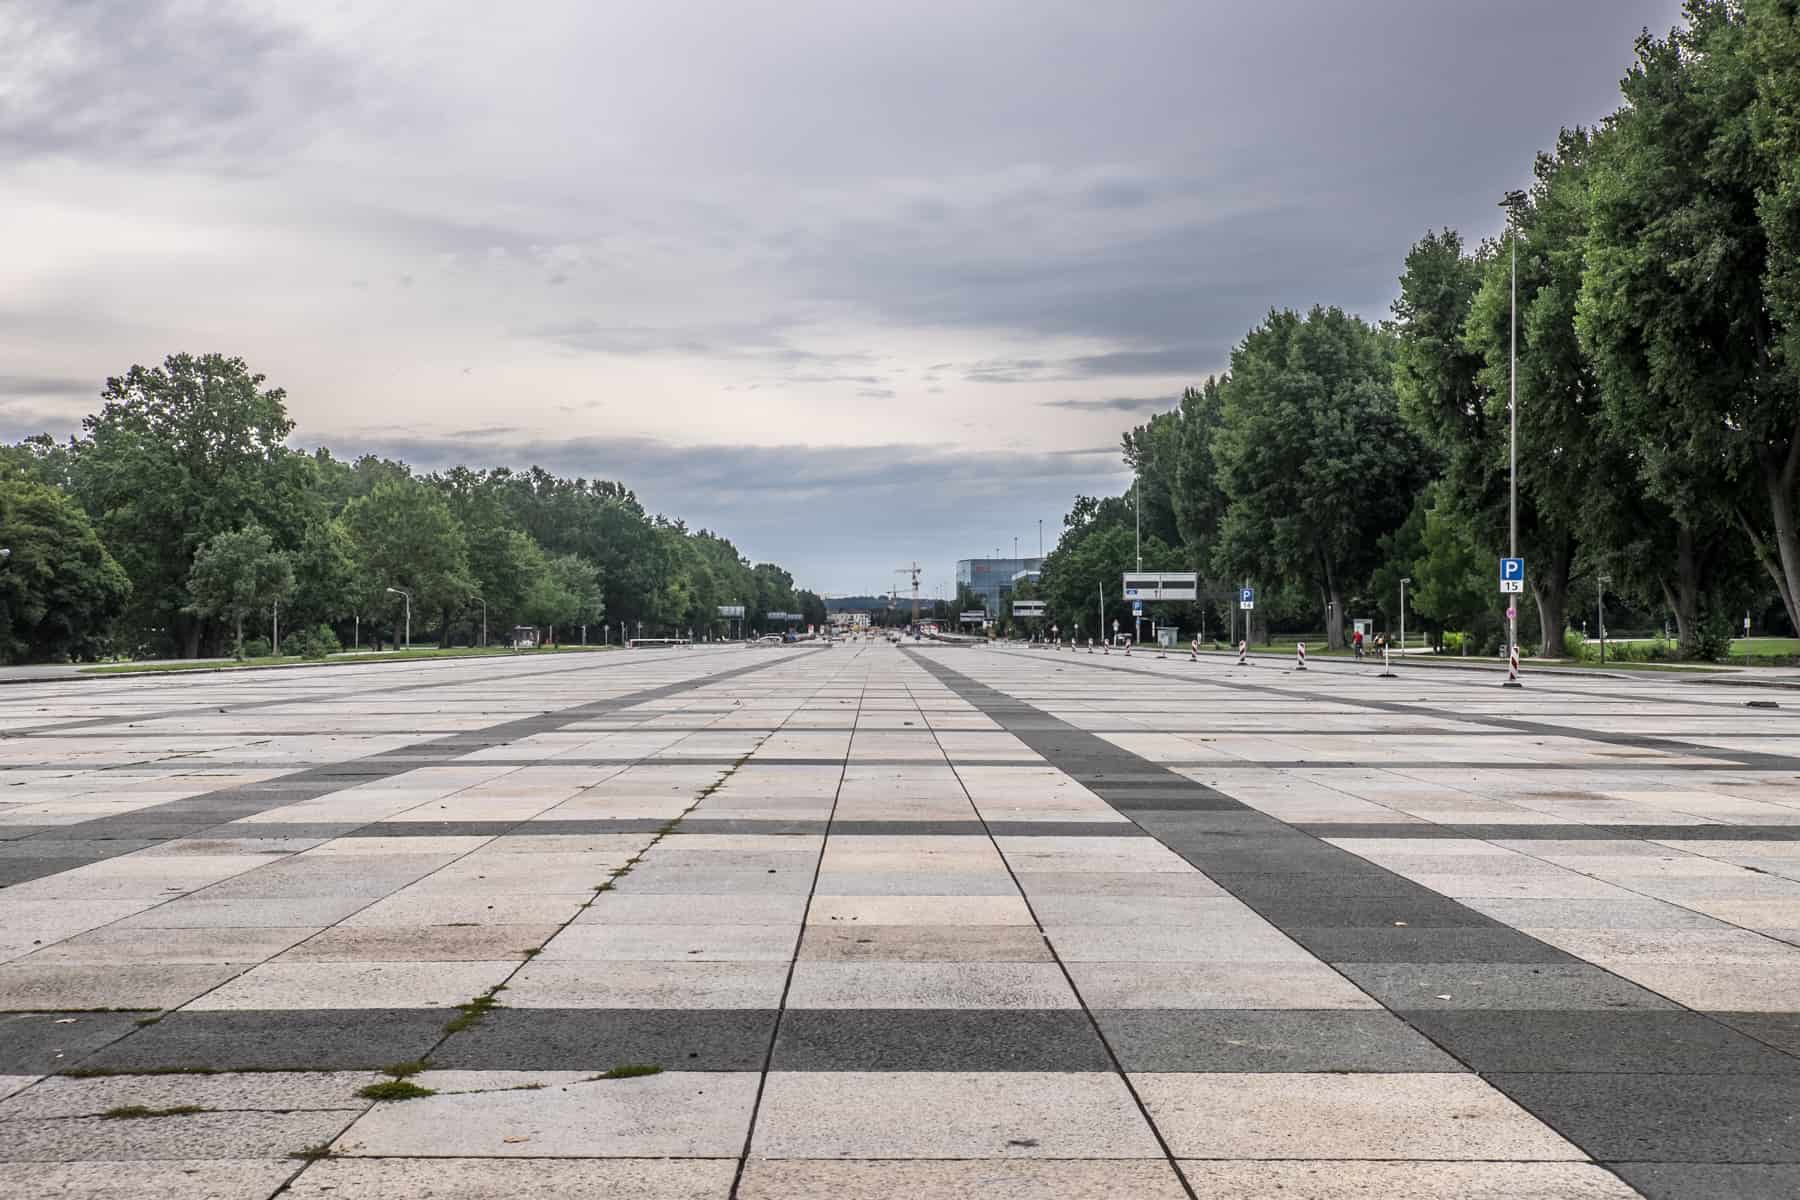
(1512, 202)
(407, 596)
(1403, 584)
(1600, 606)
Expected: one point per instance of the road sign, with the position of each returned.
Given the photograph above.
(1137, 608)
(1512, 575)
(1028, 608)
(1161, 585)
(1512, 614)
(1115, 626)
(731, 611)
(977, 614)
(1247, 598)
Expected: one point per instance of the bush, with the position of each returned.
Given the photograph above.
(1574, 645)
(1712, 637)
(315, 643)
(255, 648)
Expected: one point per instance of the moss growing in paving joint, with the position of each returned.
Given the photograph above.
(394, 1089)
(313, 1153)
(134, 1112)
(628, 1071)
(471, 1012)
(402, 1070)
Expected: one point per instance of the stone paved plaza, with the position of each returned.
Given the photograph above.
(921, 921)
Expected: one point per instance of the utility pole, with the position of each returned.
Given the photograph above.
(1600, 605)
(1040, 539)
(1137, 510)
(1403, 584)
(1512, 203)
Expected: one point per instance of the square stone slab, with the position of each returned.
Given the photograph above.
(1337, 1180)
(485, 1179)
(937, 1040)
(1263, 1041)
(1310, 1116)
(989, 1179)
(942, 1115)
(687, 1114)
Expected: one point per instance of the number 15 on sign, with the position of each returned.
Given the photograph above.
(1512, 575)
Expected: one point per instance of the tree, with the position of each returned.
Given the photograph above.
(60, 591)
(1675, 307)
(327, 580)
(1574, 473)
(178, 454)
(406, 537)
(1313, 455)
(236, 574)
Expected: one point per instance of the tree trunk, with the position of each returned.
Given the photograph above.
(188, 645)
(1760, 547)
(1334, 607)
(1684, 597)
(1551, 591)
(238, 649)
(1778, 481)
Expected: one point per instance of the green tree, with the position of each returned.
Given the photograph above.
(239, 573)
(327, 580)
(1676, 308)
(60, 590)
(1313, 455)
(178, 454)
(407, 538)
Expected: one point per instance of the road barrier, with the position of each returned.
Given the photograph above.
(1243, 653)
(1387, 667)
(1512, 666)
(1299, 656)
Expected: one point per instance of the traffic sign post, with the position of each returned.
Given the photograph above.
(1512, 583)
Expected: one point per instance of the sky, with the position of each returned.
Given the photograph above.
(856, 285)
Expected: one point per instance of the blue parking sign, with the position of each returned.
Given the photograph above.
(1512, 575)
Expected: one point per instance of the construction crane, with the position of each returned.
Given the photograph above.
(914, 572)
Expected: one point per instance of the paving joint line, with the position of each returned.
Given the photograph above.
(787, 983)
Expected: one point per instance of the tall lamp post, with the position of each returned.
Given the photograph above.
(1600, 612)
(1403, 584)
(407, 596)
(1512, 202)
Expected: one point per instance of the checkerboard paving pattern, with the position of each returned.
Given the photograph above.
(869, 921)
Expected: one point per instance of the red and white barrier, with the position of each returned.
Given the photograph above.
(1299, 656)
(1512, 665)
(1243, 653)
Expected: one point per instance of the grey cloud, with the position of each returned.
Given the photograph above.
(877, 393)
(160, 80)
(37, 386)
(1121, 404)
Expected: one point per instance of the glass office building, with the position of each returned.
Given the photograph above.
(992, 578)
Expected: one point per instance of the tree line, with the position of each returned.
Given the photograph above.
(180, 518)
(1658, 377)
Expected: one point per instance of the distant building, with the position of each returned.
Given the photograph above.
(993, 579)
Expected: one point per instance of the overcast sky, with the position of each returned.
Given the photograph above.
(855, 284)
